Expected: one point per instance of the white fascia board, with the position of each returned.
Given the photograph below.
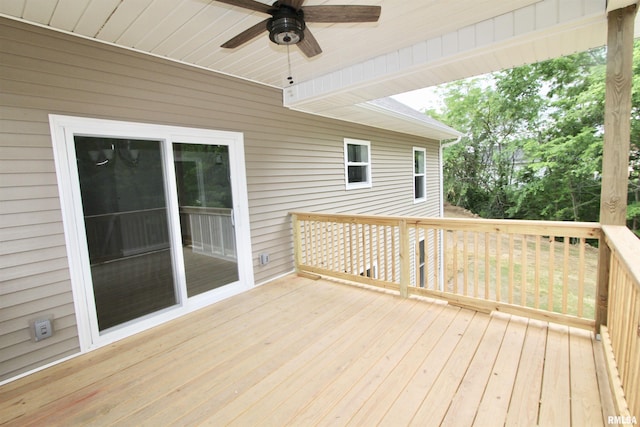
(382, 118)
(432, 128)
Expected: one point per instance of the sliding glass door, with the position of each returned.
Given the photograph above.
(157, 219)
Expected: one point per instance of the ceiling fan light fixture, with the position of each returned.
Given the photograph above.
(286, 28)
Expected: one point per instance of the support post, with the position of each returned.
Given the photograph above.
(297, 242)
(617, 131)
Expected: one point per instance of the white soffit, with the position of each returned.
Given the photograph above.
(544, 30)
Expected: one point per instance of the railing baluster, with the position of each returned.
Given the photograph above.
(581, 268)
(438, 285)
(445, 252)
(536, 279)
(393, 254)
(371, 263)
(465, 264)
(523, 275)
(476, 267)
(405, 266)
(511, 268)
(378, 261)
(498, 266)
(454, 267)
(565, 274)
(552, 269)
(487, 273)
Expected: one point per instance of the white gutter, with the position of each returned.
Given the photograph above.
(441, 172)
(440, 238)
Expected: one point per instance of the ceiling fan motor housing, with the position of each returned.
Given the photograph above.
(287, 26)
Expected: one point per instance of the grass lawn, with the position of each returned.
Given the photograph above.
(544, 266)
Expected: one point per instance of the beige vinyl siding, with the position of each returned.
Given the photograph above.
(294, 161)
(433, 180)
(34, 273)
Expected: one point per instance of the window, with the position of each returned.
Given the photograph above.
(357, 163)
(419, 175)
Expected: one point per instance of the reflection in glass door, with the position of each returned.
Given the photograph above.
(126, 223)
(206, 216)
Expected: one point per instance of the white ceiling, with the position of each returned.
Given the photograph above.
(415, 44)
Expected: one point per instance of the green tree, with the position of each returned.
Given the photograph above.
(497, 115)
(533, 140)
(561, 178)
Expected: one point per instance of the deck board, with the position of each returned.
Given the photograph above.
(465, 402)
(555, 398)
(494, 406)
(312, 352)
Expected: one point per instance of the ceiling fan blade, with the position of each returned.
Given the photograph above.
(341, 13)
(248, 4)
(247, 35)
(309, 45)
(296, 4)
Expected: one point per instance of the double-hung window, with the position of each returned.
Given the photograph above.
(419, 175)
(357, 163)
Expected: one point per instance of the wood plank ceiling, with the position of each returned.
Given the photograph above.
(415, 43)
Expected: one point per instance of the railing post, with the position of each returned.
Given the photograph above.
(405, 262)
(602, 291)
(297, 243)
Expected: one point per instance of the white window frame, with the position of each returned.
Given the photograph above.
(356, 185)
(423, 175)
(63, 129)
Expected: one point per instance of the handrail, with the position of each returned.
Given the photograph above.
(621, 336)
(625, 246)
(582, 229)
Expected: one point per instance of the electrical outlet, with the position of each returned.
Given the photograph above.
(41, 328)
(264, 259)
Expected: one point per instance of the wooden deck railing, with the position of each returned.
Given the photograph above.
(621, 335)
(532, 268)
(538, 269)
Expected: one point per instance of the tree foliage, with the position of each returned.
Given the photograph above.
(533, 140)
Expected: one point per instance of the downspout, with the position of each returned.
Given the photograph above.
(440, 242)
(441, 172)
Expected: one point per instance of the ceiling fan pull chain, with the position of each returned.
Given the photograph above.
(290, 78)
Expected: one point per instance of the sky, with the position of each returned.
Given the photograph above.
(428, 98)
(421, 99)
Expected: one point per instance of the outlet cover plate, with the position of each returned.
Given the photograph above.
(41, 328)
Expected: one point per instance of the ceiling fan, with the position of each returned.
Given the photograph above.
(287, 24)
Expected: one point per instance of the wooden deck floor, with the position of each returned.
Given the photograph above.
(302, 352)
